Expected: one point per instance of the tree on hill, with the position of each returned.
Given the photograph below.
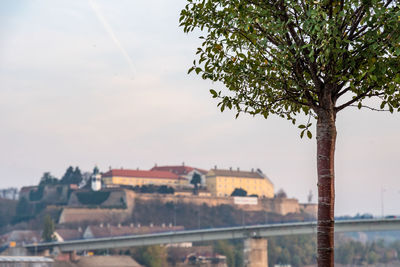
(281, 194)
(292, 57)
(48, 229)
(72, 176)
(196, 180)
(48, 179)
(7, 211)
(23, 210)
(239, 192)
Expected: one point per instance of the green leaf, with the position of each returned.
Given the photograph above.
(190, 70)
(198, 70)
(398, 51)
(302, 126)
(214, 93)
(309, 134)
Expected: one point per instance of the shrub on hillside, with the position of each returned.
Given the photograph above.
(92, 197)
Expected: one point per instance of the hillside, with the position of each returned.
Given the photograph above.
(193, 216)
(7, 211)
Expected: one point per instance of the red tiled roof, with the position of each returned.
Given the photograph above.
(141, 174)
(179, 170)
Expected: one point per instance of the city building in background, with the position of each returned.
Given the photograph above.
(183, 171)
(122, 177)
(224, 182)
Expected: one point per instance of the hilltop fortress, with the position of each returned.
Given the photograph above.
(112, 195)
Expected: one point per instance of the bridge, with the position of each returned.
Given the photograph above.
(255, 236)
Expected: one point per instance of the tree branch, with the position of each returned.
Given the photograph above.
(359, 97)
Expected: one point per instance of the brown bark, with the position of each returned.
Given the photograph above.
(326, 139)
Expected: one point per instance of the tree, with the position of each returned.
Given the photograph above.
(239, 192)
(48, 179)
(224, 248)
(72, 176)
(151, 256)
(281, 194)
(67, 176)
(48, 229)
(23, 210)
(293, 57)
(196, 180)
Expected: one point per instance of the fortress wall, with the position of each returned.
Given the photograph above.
(117, 198)
(70, 215)
(197, 200)
(278, 205)
(77, 212)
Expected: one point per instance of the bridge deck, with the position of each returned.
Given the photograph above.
(242, 232)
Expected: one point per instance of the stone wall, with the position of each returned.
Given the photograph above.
(52, 194)
(278, 205)
(56, 194)
(72, 215)
(118, 198)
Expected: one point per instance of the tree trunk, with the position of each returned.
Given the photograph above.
(326, 139)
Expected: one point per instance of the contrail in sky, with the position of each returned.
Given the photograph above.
(110, 32)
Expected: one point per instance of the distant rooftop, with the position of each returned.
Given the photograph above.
(238, 173)
(178, 169)
(254, 174)
(141, 174)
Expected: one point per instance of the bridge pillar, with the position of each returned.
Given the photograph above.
(72, 255)
(256, 252)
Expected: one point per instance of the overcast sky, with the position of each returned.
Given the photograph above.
(101, 82)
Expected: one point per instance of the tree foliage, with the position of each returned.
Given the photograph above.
(72, 176)
(232, 252)
(357, 253)
(278, 57)
(48, 229)
(7, 211)
(48, 179)
(151, 256)
(291, 57)
(196, 179)
(294, 250)
(239, 192)
(281, 194)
